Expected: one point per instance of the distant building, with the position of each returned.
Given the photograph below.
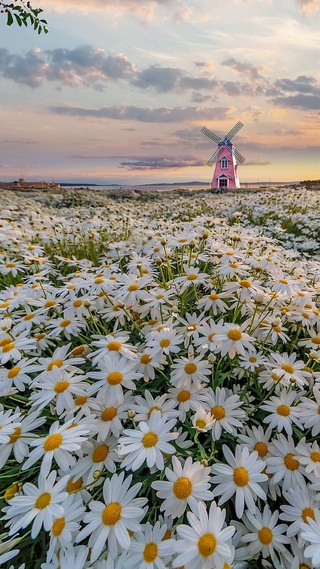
(21, 183)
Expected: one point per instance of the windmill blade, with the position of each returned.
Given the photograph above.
(240, 159)
(234, 130)
(213, 158)
(211, 134)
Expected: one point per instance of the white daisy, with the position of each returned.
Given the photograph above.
(147, 443)
(265, 535)
(281, 412)
(300, 506)
(226, 411)
(311, 532)
(205, 542)
(241, 478)
(39, 505)
(109, 521)
(282, 463)
(117, 372)
(187, 484)
(148, 549)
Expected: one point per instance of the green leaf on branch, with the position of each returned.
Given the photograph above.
(9, 19)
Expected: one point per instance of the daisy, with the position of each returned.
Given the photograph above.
(241, 478)
(213, 302)
(145, 406)
(116, 373)
(9, 422)
(308, 454)
(38, 504)
(190, 328)
(300, 506)
(187, 485)
(148, 549)
(109, 418)
(109, 521)
(59, 386)
(187, 397)
(60, 358)
(225, 411)
(191, 276)
(150, 360)
(13, 348)
(17, 375)
(147, 443)
(131, 288)
(202, 421)
(205, 542)
(283, 465)
(309, 409)
(98, 456)
(310, 531)
(207, 340)
(60, 442)
(112, 344)
(256, 439)
(289, 369)
(165, 341)
(193, 368)
(265, 535)
(64, 528)
(232, 340)
(281, 413)
(21, 438)
(68, 324)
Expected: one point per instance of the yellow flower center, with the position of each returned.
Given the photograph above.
(15, 435)
(13, 372)
(190, 368)
(265, 535)
(43, 501)
(150, 440)
(290, 462)
(52, 442)
(304, 566)
(150, 552)
(78, 351)
(28, 317)
(183, 396)
(108, 414)
(315, 456)
(288, 368)
(65, 323)
(8, 347)
(307, 513)
(240, 476)
(211, 336)
(58, 363)
(114, 346)
(81, 399)
(111, 514)
(4, 342)
(61, 386)
(153, 409)
(207, 545)
(165, 343)
(10, 265)
(283, 281)
(192, 277)
(277, 329)
(182, 488)
(283, 410)
(218, 412)
(100, 453)
(114, 378)
(99, 280)
(145, 359)
(213, 296)
(200, 423)
(133, 287)
(39, 336)
(275, 377)
(74, 486)
(58, 526)
(261, 449)
(234, 335)
(50, 303)
(77, 303)
(11, 491)
(245, 284)
(252, 360)
(316, 340)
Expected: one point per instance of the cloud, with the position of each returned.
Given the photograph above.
(308, 6)
(162, 79)
(256, 163)
(300, 101)
(161, 162)
(153, 115)
(302, 84)
(19, 141)
(285, 132)
(243, 68)
(83, 65)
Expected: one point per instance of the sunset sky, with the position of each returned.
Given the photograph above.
(118, 90)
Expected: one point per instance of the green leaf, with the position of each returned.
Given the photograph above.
(9, 19)
(18, 19)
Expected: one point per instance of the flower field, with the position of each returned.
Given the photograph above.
(160, 381)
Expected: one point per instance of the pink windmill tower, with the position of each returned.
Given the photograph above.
(226, 157)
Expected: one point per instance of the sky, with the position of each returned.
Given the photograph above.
(118, 90)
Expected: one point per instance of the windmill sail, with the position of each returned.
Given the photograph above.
(240, 159)
(211, 134)
(213, 158)
(234, 131)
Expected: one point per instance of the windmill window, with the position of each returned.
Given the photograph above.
(223, 183)
(224, 163)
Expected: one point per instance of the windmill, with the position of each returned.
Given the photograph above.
(226, 157)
